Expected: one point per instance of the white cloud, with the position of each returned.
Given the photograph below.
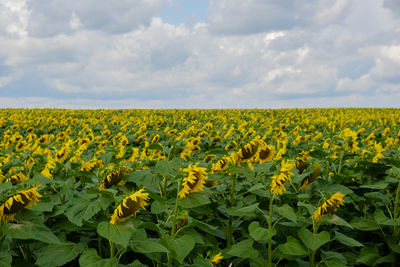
(242, 56)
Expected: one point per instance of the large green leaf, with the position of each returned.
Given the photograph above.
(117, 233)
(333, 259)
(58, 254)
(180, 247)
(348, 241)
(144, 177)
(194, 200)
(334, 219)
(364, 224)
(243, 249)
(286, 211)
(5, 259)
(368, 256)
(30, 230)
(311, 240)
(292, 247)
(82, 208)
(243, 211)
(89, 258)
(260, 234)
(147, 246)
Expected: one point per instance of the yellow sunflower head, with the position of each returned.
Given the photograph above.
(114, 178)
(329, 206)
(17, 201)
(129, 206)
(194, 181)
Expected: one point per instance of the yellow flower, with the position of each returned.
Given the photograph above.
(216, 259)
(221, 164)
(329, 206)
(114, 178)
(264, 154)
(130, 206)
(17, 202)
(16, 178)
(194, 181)
(278, 181)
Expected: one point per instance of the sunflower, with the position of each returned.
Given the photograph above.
(216, 259)
(264, 154)
(16, 178)
(114, 178)
(17, 202)
(278, 181)
(129, 206)
(62, 154)
(194, 181)
(329, 206)
(221, 164)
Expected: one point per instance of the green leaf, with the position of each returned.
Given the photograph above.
(180, 247)
(348, 241)
(381, 219)
(334, 219)
(30, 230)
(5, 259)
(378, 186)
(147, 246)
(292, 247)
(58, 254)
(333, 259)
(89, 258)
(168, 168)
(243, 249)
(82, 208)
(287, 212)
(364, 224)
(260, 234)
(144, 177)
(5, 186)
(368, 256)
(117, 233)
(311, 240)
(39, 179)
(194, 200)
(243, 211)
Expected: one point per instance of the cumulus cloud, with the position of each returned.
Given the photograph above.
(245, 54)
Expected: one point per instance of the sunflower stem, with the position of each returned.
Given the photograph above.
(174, 217)
(312, 253)
(112, 249)
(396, 210)
(271, 200)
(230, 220)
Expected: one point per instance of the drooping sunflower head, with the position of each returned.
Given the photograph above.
(129, 206)
(329, 206)
(16, 178)
(194, 181)
(221, 164)
(114, 177)
(17, 201)
(311, 178)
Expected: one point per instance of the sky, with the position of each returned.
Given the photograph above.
(199, 53)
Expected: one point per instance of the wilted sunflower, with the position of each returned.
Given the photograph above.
(129, 206)
(216, 259)
(329, 206)
(194, 181)
(114, 178)
(17, 202)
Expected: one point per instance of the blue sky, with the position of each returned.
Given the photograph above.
(199, 53)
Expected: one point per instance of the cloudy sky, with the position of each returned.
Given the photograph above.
(199, 53)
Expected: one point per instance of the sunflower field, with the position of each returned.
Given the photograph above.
(288, 187)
